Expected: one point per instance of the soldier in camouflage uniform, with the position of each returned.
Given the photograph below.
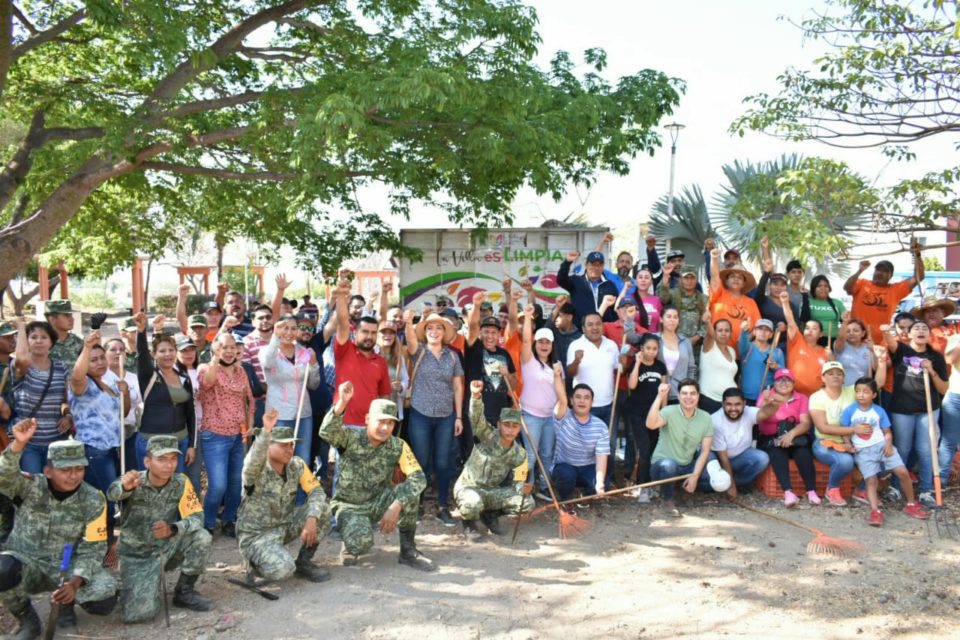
(57, 508)
(198, 333)
(364, 492)
(8, 332)
(162, 517)
(478, 490)
(689, 302)
(268, 517)
(128, 333)
(67, 348)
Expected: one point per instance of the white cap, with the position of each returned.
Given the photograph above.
(543, 334)
(719, 479)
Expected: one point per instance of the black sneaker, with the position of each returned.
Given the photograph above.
(229, 529)
(443, 515)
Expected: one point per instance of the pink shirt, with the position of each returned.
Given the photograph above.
(224, 401)
(538, 397)
(792, 409)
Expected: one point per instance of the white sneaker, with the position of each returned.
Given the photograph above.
(645, 497)
(542, 495)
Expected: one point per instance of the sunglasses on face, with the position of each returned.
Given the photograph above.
(442, 304)
(305, 327)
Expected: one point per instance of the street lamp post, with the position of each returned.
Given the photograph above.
(674, 128)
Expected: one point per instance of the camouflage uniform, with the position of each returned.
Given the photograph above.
(268, 518)
(691, 308)
(6, 382)
(364, 491)
(478, 487)
(30, 562)
(67, 350)
(174, 503)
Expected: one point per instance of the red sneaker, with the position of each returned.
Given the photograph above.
(875, 519)
(914, 510)
(834, 498)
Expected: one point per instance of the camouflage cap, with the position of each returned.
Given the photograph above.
(57, 306)
(282, 435)
(7, 329)
(509, 414)
(129, 324)
(64, 454)
(162, 445)
(184, 342)
(688, 270)
(381, 409)
(198, 320)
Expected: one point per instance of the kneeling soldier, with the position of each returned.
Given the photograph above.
(269, 518)
(58, 508)
(162, 518)
(478, 490)
(364, 492)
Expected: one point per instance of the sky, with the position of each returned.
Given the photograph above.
(725, 51)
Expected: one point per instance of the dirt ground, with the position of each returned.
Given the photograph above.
(720, 571)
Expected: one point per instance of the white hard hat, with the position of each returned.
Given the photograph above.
(719, 479)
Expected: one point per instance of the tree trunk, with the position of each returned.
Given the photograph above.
(27, 296)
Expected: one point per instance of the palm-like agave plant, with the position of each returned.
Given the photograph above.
(688, 228)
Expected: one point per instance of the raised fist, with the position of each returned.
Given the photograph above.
(270, 417)
(346, 391)
(183, 290)
(572, 256)
(476, 388)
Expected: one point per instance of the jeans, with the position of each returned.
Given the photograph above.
(603, 413)
(431, 440)
(646, 441)
(101, 471)
(130, 453)
(543, 436)
(840, 463)
(223, 458)
(33, 459)
(143, 438)
(747, 465)
(669, 468)
(630, 450)
(949, 434)
(302, 447)
(911, 434)
(194, 470)
(567, 477)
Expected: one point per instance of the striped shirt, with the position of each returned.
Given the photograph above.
(252, 344)
(27, 393)
(579, 443)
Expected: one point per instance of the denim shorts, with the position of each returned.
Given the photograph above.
(871, 460)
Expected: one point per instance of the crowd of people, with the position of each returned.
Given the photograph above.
(276, 423)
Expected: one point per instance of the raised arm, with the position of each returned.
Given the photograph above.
(559, 388)
(851, 282)
(386, 288)
(792, 328)
(563, 273)
(513, 304)
(715, 283)
(526, 346)
(413, 343)
(78, 378)
(654, 419)
(21, 362)
(473, 318)
(277, 303)
(890, 337)
(342, 296)
(182, 321)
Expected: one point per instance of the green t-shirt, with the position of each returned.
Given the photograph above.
(681, 436)
(820, 401)
(829, 318)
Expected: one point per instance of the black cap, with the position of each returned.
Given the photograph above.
(675, 253)
(210, 306)
(490, 321)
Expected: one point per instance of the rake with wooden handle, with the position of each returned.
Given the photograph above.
(766, 368)
(570, 525)
(609, 494)
(822, 544)
(945, 523)
(303, 394)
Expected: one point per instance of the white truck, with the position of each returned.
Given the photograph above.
(457, 265)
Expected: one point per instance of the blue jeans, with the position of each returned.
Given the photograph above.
(604, 414)
(747, 465)
(223, 458)
(431, 440)
(669, 468)
(194, 470)
(840, 463)
(911, 434)
(567, 477)
(543, 436)
(34, 458)
(101, 471)
(949, 434)
(302, 447)
(142, 440)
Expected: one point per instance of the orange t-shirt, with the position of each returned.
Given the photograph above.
(875, 304)
(805, 362)
(735, 308)
(513, 343)
(940, 335)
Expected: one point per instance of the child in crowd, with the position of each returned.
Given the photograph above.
(875, 451)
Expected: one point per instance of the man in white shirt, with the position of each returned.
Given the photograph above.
(733, 439)
(593, 360)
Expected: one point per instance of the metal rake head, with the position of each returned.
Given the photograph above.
(945, 522)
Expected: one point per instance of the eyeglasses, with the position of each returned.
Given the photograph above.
(442, 304)
(305, 327)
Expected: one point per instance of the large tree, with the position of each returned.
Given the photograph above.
(127, 120)
(888, 79)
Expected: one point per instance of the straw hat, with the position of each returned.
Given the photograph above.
(448, 331)
(749, 282)
(930, 302)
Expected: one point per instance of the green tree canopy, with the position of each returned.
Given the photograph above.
(888, 79)
(126, 122)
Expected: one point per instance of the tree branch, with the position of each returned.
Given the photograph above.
(23, 19)
(15, 172)
(47, 35)
(226, 174)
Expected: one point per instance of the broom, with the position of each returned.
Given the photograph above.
(570, 525)
(822, 544)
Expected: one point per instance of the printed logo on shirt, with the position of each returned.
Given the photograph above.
(521, 472)
(408, 462)
(875, 300)
(308, 481)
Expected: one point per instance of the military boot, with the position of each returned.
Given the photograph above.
(67, 617)
(29, 623)
(347, 559)
(492, 521)
(185, 597)
(306, 569)
(409, 554)
(471, 531)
